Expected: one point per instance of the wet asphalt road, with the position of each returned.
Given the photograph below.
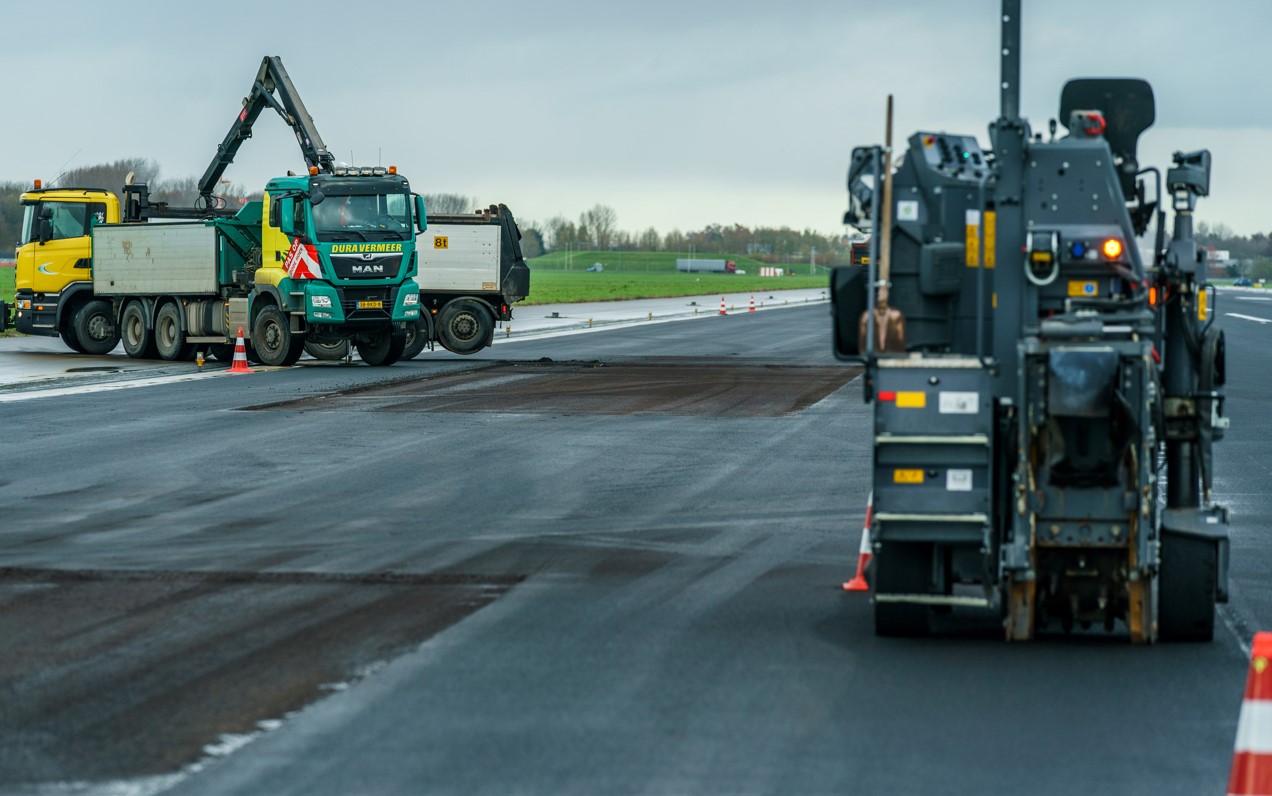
(623, 603)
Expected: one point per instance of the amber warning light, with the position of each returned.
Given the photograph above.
(39, 184)
(1112, 248)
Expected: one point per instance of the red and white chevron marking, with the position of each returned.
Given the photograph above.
(1252, 756)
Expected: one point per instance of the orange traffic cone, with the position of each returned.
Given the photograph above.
(1252, 755)
(722, 309)
(752, 307)
(858, 582)
(239, 365)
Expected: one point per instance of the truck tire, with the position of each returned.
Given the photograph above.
(273, 339)
(383, 349)
(417, 337)
(902, 568)
(328, 352)
(170, 341)
(1186, 589)
(72, 342)
(465, 326)
(93, 326)
(138, 342)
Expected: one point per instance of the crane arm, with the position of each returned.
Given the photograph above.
(271, 79)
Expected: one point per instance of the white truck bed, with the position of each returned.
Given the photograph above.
(154, 259)
(459, 258)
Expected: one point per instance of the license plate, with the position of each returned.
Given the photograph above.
(370, 305)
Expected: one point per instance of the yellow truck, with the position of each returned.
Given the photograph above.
(53, 293)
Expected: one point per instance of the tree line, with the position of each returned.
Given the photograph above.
(597, 229)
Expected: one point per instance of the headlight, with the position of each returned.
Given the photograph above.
(411, 299)
(320, 301)
(24, 304)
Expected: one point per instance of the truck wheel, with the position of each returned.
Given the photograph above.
(137, 340)
(1186, 589)
(72, 342)
(169, 339)
(328, 352)
(383, 349)
(273, 339)
(902, 568)
(93, 326)
(465, 326)
(417, 337)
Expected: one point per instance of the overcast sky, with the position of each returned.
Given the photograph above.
(676, 114)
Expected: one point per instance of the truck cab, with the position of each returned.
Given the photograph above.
(338, 253)
(54, 278)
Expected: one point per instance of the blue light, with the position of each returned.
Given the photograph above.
(1078, 250)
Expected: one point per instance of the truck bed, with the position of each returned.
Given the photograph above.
(155, 259)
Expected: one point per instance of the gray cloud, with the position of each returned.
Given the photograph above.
(675, 113)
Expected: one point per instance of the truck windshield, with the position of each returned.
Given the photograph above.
(67, 219)
(363, 217)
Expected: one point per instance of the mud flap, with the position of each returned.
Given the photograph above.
(1209, 524)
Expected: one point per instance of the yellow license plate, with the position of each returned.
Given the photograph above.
(370, 305)
(907, 476)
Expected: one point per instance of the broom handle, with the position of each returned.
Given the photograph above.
(885, 231)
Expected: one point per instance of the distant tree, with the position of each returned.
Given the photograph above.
(108, 176)
(649, 240)
(583, 235)
(10, 216)
(675, 242)
(449, 203)
(531, 240)
(601, 221)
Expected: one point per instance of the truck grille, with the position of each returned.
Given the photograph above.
(350, 297)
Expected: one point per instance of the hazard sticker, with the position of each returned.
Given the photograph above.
(301, 261)
(907, 476)
(911, 400)
(441, 242)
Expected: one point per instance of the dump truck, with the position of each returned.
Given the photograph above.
(326, 257)
(470, 274)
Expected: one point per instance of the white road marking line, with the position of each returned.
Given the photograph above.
(1253, 298)
(84, 389)
(1247, 317)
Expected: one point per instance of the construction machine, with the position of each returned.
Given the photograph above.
(1042, 431)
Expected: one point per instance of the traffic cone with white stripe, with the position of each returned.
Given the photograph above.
(1252, 755)
(752, 307)
(858, 582)
(239, 365)
(723, 311)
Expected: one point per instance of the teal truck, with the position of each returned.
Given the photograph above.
(324, 258)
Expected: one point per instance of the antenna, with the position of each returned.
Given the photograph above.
(62, 171)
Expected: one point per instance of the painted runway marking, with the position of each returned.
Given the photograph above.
(84, 389)
(1247, 317)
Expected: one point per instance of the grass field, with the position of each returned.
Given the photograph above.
(561, 277)
(561, 287)
(639, 275)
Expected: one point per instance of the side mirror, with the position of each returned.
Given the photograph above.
(421, 217)
(316, 196)
(848, 301)
(287, 216)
